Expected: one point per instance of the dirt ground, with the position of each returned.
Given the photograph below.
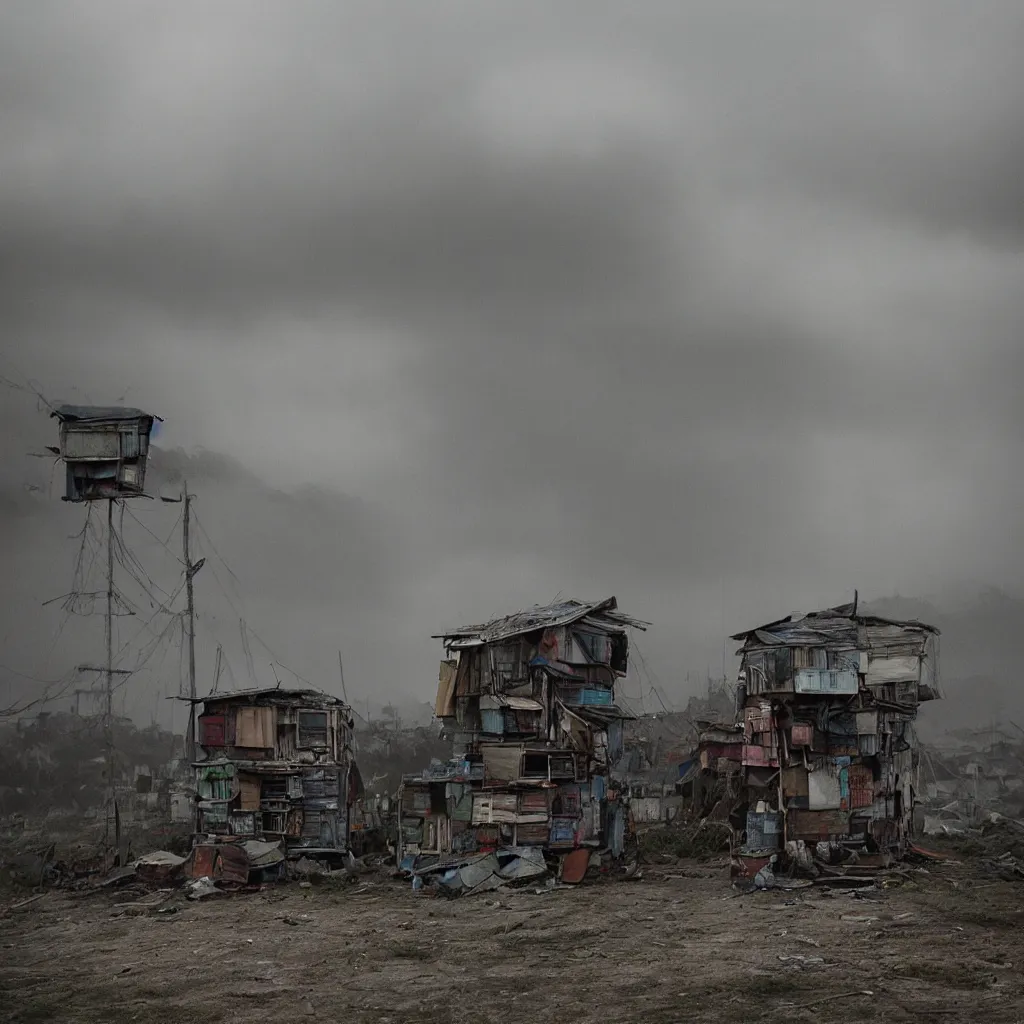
(677, 945)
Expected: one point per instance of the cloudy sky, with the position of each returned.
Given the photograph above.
(714, 306)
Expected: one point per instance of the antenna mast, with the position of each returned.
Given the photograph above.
(108, 704)
(190, 571)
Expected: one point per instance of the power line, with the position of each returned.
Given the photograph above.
(164, 544)
(213, 548)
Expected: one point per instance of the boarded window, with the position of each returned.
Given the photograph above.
(312, 729)
(502, 763)
(249, 788)
(211, 730)
(255, 728)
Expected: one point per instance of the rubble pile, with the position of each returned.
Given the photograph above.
(969, 775)
(691, 840)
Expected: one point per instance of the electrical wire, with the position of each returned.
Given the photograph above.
(164, 544)
(213, 548)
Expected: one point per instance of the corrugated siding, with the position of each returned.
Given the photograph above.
(492, 721)
(896, 640)
(812, 680)
(817, 825)
(646, 809)
(130, 448)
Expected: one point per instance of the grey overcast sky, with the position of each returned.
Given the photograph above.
(715, 306)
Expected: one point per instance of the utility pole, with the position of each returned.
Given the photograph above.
(190, 571)
(108, 706)
(216, 668)
(341, 669)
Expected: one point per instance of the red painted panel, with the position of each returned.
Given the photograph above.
(212, 731)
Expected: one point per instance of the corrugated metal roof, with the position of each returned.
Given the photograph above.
(101, 413)
(832, 625)
(563, 613)
(265, 691)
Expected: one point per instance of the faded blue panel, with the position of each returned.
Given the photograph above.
(597, 787)
(815, 680)
(843, 764)
(563, 831)
(591, 696)
(492, 720)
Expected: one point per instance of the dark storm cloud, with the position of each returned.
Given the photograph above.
(652, 298)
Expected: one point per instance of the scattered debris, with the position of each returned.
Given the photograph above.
(203, 887)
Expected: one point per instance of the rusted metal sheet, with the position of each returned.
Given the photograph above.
(760, 756)
(817, 825)
(861, 786)
(802, 734)
(794, 781)
(223, 862)
(574, 866)
(201, 860)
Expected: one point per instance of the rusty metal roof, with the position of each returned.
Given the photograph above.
(600, 615)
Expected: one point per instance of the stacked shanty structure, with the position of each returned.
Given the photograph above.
(829, 755)
(277, 766)
(529, 701)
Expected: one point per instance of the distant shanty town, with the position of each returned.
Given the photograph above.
(534, 765)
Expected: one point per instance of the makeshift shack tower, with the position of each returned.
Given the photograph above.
(529, 700)
(105, 449)
(829, 756)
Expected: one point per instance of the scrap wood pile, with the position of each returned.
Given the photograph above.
(697, 840)
(970, 774)
(996, 846)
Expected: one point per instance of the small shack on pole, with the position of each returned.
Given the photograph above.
(105, 449)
